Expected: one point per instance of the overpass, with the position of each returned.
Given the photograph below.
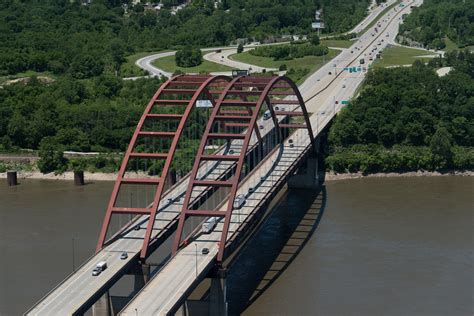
(274, 149)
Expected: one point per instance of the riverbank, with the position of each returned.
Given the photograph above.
(330, 176)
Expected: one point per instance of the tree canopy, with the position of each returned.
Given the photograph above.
(435, 19)
(66, 37)
(409, 112)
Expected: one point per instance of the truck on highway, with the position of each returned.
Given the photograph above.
(209, 225)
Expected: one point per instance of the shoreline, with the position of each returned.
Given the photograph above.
(330, 176)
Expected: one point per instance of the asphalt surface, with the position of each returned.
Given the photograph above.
(320, 91)
(167, 288)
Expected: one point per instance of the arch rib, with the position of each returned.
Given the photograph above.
(268, 83)
(202, 83)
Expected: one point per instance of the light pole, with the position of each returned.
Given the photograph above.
(73, 256)
(136, 312)
(196, 246)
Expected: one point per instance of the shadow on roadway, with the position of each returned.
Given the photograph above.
(274, 247)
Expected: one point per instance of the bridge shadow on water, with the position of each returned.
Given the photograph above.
(274, 246)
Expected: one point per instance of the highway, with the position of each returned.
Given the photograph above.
(145, 63)
(167, 289)
(81, 287)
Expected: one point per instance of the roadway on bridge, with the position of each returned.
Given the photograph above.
(169, 287)
(81, 287)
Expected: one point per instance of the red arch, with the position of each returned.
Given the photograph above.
(270, 87)
(178, 85)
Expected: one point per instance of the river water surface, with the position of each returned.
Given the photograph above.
(399, 246)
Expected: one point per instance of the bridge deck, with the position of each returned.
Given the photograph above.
(166, 291)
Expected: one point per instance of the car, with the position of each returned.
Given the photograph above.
(96, 271)
(205, 251)
(239, 201)
(137, 227)
(330, 73)
(123, 256)
(231, 151)
(261, 126)
(352, 52)
(251, 190)
(266, 115)
(292, 145)
(343, 86)
(262, 179)
(290, 141)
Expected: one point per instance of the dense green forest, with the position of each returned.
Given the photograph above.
(435, 19)
(407, 119)
(63, 36)
(95, 115)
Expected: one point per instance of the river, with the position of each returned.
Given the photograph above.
(379, 246)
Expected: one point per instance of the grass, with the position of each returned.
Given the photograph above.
(168, 64)
(450, 45)
(374, 21)
(337, 43)
(312, 63)
(398, 56)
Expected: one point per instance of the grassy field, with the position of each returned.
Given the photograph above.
(337, 43)
(374, 21)
(306, 62)
(168, 64)
(397, 56)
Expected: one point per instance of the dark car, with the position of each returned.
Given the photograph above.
(205, 251)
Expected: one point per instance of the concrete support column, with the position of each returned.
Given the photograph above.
(308, 177)
(103, 306)
(218, 299)
(142, 275)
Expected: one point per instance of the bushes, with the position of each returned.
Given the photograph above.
(188, 57)
(51, 157)
(372, 159)
(287, 52)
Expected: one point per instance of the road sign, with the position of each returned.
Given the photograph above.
(353, 69)
(203, 104)
(317, 25)
(345, 102)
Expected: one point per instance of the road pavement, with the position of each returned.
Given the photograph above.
(170, 285)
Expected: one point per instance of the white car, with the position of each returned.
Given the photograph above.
(239, 201)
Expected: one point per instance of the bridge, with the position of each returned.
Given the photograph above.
(254, 134)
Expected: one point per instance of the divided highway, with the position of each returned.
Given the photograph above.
(321, 91)
(170, 286)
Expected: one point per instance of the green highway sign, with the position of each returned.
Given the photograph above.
(345, 102)
(353, 69)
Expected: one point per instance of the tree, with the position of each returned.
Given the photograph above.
(188, 57)
(240, 48)
(314, 39)
(441, 148)
(51, 158)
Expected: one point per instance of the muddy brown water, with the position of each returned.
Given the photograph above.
(389, 246)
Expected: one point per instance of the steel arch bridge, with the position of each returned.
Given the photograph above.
(237, 104)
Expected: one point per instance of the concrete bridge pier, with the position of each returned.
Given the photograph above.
(311, 174)
(141, 274)
(218, 294)
(103, 306)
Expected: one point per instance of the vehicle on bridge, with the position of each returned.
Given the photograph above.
(209, 225)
